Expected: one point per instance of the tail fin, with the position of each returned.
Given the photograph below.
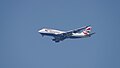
(87, 30)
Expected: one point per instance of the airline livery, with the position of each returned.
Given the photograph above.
(58, 35)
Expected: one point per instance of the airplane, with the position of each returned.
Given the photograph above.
(59, 35)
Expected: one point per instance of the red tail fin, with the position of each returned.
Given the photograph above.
(87, 30)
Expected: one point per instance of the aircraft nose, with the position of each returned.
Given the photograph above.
(39, 31)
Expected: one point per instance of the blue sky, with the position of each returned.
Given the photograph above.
(21, 46)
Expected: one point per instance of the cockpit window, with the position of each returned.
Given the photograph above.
(46, 30)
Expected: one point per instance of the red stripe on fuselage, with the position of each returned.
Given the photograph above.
(85, 32)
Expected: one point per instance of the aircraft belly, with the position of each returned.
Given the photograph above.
(75, 37)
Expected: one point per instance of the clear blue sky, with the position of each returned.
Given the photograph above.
(21, 46)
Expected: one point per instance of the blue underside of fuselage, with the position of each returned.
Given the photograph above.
(48, 34)
(74, 37)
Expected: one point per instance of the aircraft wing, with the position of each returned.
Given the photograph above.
(58, 38)
(68, 33)
(77, 30)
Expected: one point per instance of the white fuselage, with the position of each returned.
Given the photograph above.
(78, 35)
(53, 32)
(50, 31)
